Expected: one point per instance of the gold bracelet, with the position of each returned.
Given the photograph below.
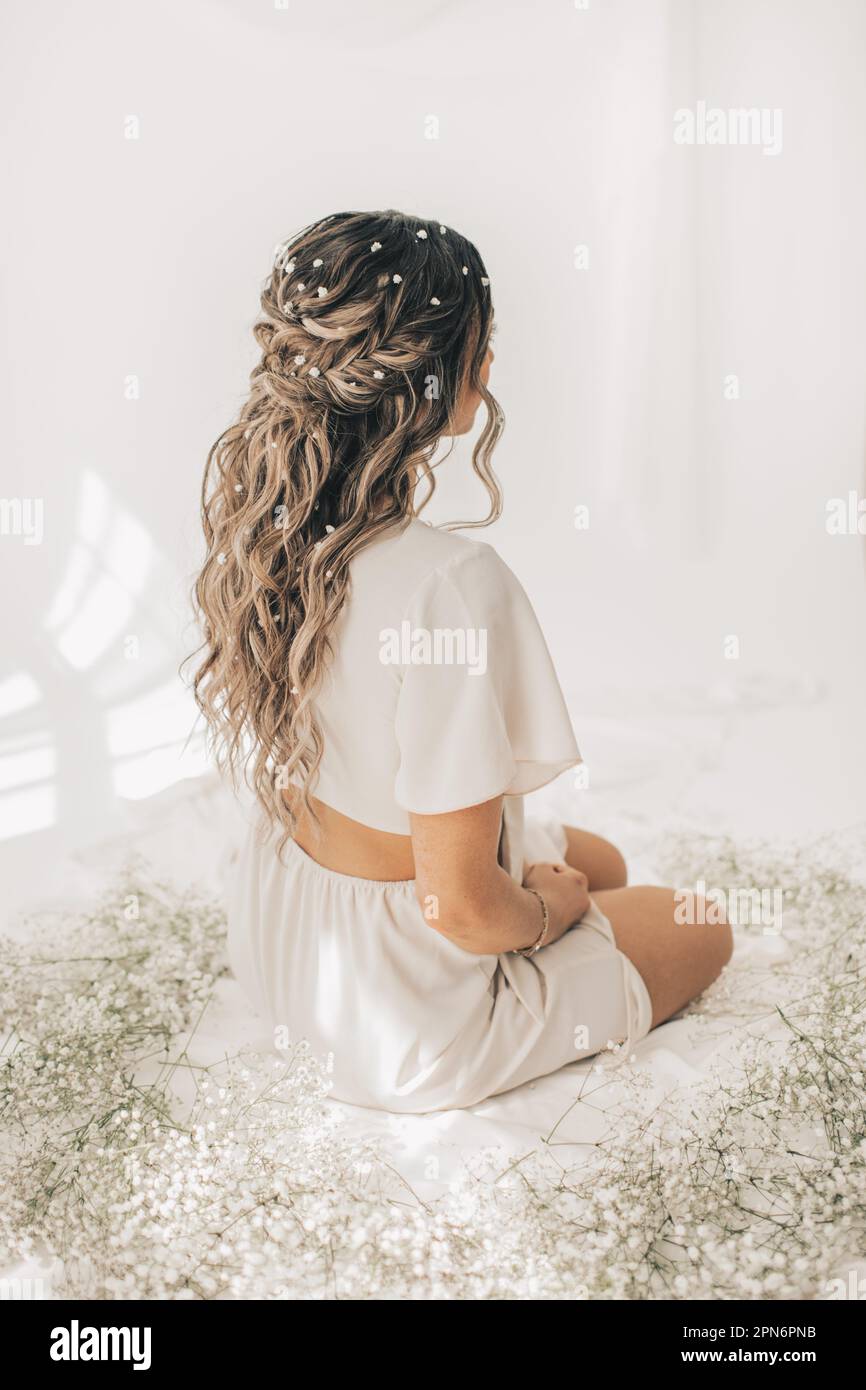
(545, 923)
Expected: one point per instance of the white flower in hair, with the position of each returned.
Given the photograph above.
(294, 690)
(484, 280)
(422, 234)
(378, 375)
(397, 279)
(221, 559)
(314, 371)
(329, 574)
(466, 270)
(434, 300)
(443, 230)
(329, 529)
(317, 262)
(376, 246)
(300, 286)
(300, 359)
(239, 487)
(321, 291)
(289, 267)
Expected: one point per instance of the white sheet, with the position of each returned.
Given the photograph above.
(188, 834)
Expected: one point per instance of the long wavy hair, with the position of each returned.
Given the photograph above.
(372, 326)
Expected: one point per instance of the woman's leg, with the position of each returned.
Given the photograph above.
(676, 961)
(601, 861)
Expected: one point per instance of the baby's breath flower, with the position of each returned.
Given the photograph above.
(146, 1170)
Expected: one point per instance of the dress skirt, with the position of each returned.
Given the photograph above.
(404, 1019)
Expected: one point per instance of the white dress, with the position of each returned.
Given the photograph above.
(440, 694)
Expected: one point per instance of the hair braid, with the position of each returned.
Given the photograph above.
(371, 326)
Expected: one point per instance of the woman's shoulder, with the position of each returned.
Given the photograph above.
(419, 555)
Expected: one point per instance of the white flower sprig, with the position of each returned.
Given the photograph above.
(153, 1174)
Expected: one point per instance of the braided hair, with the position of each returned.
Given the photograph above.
(372, 326)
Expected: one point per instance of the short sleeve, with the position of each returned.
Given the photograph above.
(480, 712)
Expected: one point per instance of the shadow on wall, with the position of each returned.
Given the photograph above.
(92, 708)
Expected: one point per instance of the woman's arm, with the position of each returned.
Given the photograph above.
(467, 896)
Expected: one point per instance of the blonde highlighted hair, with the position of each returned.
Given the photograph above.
(372, 326)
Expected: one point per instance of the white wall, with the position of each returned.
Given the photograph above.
(143, 257)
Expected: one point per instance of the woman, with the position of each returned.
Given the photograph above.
(388, 693)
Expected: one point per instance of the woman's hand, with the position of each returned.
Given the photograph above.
(566, 892)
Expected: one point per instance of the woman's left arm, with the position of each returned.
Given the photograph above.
(465, 894)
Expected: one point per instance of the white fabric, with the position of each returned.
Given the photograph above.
(437, 736)
(409, 1021)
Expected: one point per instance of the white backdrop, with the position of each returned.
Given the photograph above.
(153, 156)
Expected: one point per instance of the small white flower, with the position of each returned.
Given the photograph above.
(484, 280)
(290, 265)
(329, 574)
(294, 690)
(422, 234)
(300, 359)
(314, 371)
(378, 375)
(221, 558)
(303, 287)
(397, 279)
(317, 262)
(443, 230)
(329, 529)
(376, 246)
(434, 300)
(239, 487)
(321, 291)
(465, 270)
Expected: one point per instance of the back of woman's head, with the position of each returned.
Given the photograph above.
(374, 326)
